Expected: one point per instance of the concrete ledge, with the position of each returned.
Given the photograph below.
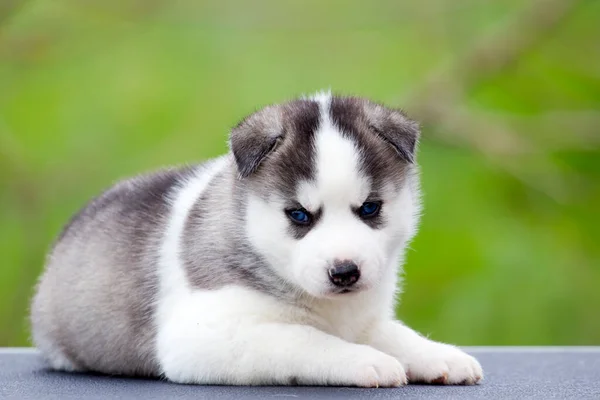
(511, 372)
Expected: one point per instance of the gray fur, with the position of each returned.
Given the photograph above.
(231, 259)
(95, 299)
(380, 131)
(274, 148)
(95, 302)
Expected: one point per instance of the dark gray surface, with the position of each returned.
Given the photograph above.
(514, 373)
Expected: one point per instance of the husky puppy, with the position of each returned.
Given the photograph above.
(275, 264)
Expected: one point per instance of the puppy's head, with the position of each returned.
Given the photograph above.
(332, 190)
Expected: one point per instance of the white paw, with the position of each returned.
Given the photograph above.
(442, 364)
(370, 368)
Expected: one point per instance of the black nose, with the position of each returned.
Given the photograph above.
(344, 273)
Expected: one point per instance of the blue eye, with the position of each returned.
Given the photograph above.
(300, 216)
(369, 209)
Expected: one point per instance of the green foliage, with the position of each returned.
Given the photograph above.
(508, 249)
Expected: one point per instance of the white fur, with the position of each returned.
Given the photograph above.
(240, 336)
(424, 359)
(174, 290)
(338, 189)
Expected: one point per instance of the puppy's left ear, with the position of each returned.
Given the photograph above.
(253, 139)
(394, 127)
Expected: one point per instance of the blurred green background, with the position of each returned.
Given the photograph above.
(508, 93)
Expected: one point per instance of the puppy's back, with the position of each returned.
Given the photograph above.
(94, 303)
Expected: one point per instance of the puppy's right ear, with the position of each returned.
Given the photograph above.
(253, 139)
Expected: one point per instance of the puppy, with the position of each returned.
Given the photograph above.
(275, 264)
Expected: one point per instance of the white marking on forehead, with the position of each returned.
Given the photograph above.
(339, 182)
(323, 98)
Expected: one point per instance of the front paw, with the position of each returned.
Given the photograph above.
(369, 368)
(442, 364)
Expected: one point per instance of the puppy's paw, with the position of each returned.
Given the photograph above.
(442, 364)
(371, 368)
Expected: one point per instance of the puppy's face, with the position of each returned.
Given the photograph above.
(332, 190)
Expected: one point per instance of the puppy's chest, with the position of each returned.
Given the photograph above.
(351, 322)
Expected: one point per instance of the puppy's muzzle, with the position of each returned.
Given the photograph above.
(344, 273)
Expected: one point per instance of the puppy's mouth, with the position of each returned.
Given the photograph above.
(340, 293)
(346, 290)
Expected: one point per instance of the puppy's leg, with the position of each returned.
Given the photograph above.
(245, 352)
(425, 360)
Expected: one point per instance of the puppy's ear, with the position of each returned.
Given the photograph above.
(394, 127)
(253, 139)
(391, 126)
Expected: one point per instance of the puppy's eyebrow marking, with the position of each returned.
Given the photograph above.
(315, 210)
(307, 195)
(374, 196)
